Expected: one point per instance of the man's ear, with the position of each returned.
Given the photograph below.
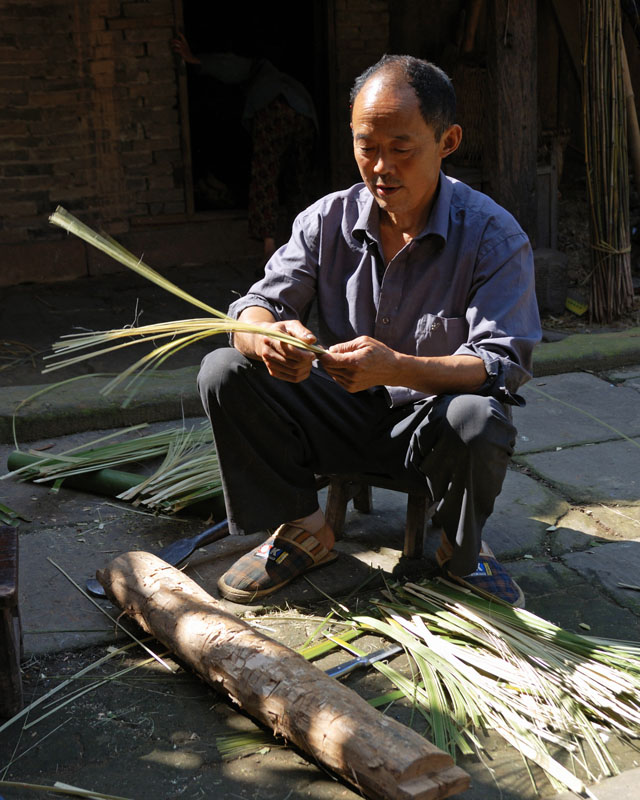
(450, 141)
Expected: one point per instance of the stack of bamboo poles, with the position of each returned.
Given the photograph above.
(605, 136)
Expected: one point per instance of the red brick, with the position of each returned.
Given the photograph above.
(143, 23)
(17, 209)
(42, 261)
(54, 98)
(162, 182)
(15, 83)
(163, 34)
(14, 127)
(146, 9)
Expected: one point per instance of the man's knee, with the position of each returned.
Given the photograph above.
(219, 371)
(478, 420)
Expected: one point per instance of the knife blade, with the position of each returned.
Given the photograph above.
(363, 661)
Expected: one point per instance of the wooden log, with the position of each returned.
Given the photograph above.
(278, 687)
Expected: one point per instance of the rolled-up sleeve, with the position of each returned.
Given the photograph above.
(502, 315)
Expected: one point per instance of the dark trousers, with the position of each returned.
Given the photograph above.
(273, 437)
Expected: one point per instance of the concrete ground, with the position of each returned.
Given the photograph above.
(567, 524)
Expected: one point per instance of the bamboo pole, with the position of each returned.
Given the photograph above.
(278, 687)
(605, 129)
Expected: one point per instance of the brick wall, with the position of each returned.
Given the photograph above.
(88, 114)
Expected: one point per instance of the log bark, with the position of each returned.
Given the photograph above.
(278, 687)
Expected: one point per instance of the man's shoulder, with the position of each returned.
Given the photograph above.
(473, 208)
(352, 199)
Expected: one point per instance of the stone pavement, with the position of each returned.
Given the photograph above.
(567, 522)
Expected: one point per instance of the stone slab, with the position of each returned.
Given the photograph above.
(608, 472)
(609, 565)
(523, 512)
(570, 598)
(621, 787)
(623, 374)
(572, 409)
(581, 525)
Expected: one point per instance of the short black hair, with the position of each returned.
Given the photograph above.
(432, 86)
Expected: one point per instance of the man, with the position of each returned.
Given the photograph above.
(426, 307)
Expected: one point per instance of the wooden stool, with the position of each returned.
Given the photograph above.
(343, 488)
(10, 628)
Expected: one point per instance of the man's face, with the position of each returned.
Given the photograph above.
(396, 150)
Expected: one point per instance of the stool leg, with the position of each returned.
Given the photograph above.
(362, 499)
(336, 509)
(414, 529)
(10, 676)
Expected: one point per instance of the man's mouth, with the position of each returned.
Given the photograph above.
(385, 191)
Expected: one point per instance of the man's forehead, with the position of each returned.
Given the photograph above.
(389, 110)
(386, 84)
(368, 132)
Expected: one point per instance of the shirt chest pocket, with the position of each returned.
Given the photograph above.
(440, 336)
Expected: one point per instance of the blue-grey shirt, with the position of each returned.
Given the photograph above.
(464, 286)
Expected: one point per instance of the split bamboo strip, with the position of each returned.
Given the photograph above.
(179, 333)
(483, 665)
(188, 475)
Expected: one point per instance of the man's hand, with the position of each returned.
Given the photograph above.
(362, 363)
(284, 361)
(365, 362)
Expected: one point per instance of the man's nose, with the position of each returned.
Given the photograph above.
(382, 165)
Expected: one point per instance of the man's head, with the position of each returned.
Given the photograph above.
(434, 90)
(401, 134)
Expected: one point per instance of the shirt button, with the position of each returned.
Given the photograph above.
(385, 320)
(435, 325)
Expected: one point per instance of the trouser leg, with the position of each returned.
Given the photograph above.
(272, 437)
(463, 448)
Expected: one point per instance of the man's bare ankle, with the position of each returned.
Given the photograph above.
(316, 524)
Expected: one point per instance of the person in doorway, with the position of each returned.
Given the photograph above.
(281, 117)
(427, 312)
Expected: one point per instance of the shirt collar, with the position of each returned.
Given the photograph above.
(367, 227)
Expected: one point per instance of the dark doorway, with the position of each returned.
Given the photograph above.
(291, 36)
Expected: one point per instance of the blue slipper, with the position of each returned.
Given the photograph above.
(490, 579)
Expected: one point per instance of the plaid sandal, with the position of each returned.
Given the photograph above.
(490, 579)
(290, 552)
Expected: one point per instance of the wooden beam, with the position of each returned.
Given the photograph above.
(278, 687)
(511, 140)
